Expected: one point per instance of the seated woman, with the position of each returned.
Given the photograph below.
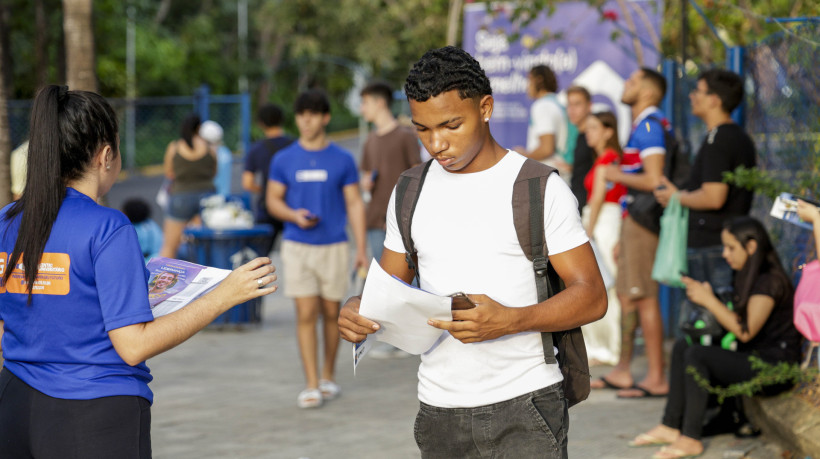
(761, 319)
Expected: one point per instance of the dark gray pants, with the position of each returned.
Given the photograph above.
(531, 425)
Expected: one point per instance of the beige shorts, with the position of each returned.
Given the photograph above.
(315, 270)
(635, 260)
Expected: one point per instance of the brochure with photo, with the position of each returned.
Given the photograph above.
(785, 208)
(172, 284)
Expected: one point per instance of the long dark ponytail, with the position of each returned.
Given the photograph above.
(67, 129)
(189, 128)
(764, 260)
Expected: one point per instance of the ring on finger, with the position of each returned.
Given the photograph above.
(259, 282)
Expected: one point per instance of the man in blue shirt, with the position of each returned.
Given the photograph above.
(641, 170)
(313, 187)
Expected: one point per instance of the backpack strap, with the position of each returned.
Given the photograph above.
(408, 190)
(528, 217)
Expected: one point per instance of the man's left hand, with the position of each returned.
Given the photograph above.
(488, 320)
(665, 191)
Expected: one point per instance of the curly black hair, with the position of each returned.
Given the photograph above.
(446, 69)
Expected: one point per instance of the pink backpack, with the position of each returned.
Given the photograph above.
(807, 307)
(807, 302)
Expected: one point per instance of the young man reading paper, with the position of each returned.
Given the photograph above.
(484, 387)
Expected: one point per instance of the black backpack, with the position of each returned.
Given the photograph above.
(643, 208)
(528, 216)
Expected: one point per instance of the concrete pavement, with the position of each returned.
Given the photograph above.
(231, 393)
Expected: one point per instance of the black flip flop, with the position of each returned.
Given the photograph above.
(609, 385)
(644, 393)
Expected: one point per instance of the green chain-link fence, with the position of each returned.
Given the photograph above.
(157, 121)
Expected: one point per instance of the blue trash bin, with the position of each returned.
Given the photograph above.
(217, 247)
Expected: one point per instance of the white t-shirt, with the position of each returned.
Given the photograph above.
(466, 241)
(547, 117)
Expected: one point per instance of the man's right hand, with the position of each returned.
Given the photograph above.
(302, 218)
(352, 326)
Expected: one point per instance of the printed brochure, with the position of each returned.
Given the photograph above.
(785, 208)
(172, 284)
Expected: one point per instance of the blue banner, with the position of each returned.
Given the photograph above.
(597, 48)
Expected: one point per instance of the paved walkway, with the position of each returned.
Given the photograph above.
(232, 394)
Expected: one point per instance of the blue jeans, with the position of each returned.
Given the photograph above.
(531, 425)
(707, 264)
(375, 240)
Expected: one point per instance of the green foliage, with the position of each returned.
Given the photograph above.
(291, 45)
(800, 181)
(767, 375)
(738, 22)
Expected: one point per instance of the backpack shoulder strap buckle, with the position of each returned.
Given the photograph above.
(540, 265)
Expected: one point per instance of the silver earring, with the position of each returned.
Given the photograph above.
(108, 168)
(486, 120)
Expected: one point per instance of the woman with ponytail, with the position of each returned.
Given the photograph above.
(76, 323)
(190, 164)
(760, 316)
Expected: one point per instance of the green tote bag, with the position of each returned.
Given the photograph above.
(670, 259)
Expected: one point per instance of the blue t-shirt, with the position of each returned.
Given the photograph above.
(315, 181)
(646, 139)
(92, 279)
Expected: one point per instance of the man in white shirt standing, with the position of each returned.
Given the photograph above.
(484, 387)
(549, 133)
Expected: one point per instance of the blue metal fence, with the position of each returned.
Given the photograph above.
(781, 112)
(783, 117)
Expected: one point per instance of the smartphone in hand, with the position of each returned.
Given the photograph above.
(461, 301)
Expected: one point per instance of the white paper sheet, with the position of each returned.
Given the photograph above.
(402, 311)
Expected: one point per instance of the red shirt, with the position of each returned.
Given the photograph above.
(614, 190)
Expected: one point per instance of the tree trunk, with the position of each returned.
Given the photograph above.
(5, 139)
(162, 12)
(40, 43)
(6, 63)
(79, 45)
(453, 21)
(61, 65)
(271, 51)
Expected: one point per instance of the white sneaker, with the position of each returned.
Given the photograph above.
(329, 389)
(309, 398)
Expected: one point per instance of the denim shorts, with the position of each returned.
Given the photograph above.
(531, 425)
(185, 205)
